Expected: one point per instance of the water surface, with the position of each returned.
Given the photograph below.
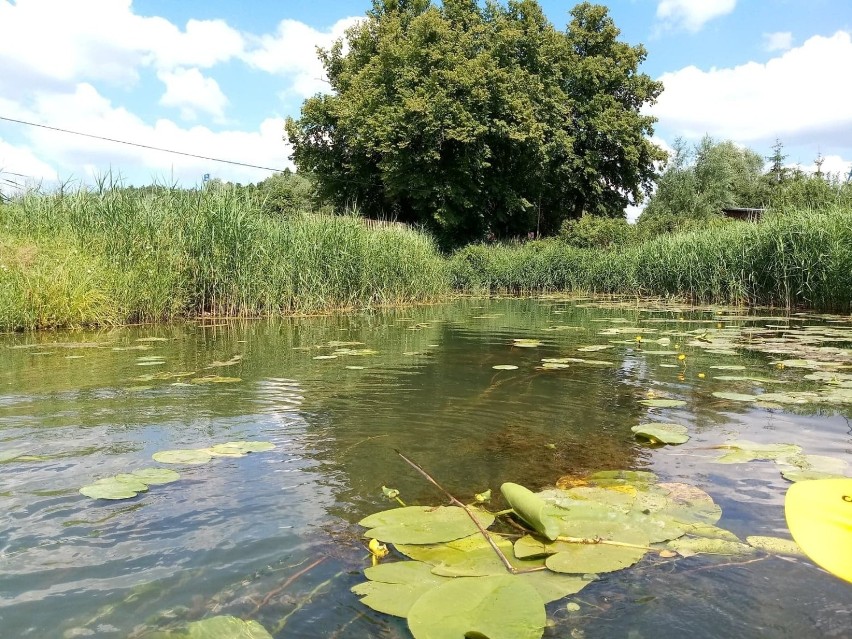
(273, 536)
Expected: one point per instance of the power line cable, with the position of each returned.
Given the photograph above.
(143, 146)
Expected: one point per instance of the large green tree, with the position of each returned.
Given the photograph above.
(477, 119)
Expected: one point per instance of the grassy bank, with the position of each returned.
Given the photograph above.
(118, 256)
(801, 258)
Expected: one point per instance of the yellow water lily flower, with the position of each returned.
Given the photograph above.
(377, 550)
(681, 357)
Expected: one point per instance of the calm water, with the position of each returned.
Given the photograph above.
(242, 536)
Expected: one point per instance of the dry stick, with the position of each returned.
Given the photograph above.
(289, 581)
(509, 567)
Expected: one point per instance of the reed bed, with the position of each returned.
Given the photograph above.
(113, 256)
(795, 259)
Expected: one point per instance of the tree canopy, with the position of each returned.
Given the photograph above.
(700, 181)
(475, 119)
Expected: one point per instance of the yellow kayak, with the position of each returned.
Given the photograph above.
(819, 515)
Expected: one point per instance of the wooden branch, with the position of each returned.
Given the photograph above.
(509, 566)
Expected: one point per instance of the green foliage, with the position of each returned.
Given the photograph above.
(592, 231)
(474, 120)
(287, 193)
(120, 255)
(699, 182)
(788, 260)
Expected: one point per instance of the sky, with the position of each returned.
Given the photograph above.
(217, 78)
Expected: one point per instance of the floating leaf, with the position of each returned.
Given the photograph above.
(775, 545)
(735, 397)
(500, 607)
(238, 449)
(593, 558)
(221, 627)
(694, 546)
(663, 403)
(470, 556)
(423, 525)
(505, 367)
(728, 367)
(527, 343)
(594, 348)
(532, 509)
(662, 433)
(393, 588)
(109, 489)
(745, 451)
(183, 456)
(155, 476)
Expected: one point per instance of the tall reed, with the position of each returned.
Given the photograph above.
(792, 259)
(166, 253)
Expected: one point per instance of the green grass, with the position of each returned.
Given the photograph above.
(116, 256)
(796, 259)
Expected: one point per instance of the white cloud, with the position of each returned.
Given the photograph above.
(190, 91)
(795, 97)
(778, 41)
(87, 111)
(692, 15)
(292, 52)
(55, 43)
(20, 169)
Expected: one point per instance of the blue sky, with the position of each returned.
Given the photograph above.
(217, 78)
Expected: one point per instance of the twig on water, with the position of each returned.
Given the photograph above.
(431, 480)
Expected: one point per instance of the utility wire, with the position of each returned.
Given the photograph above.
(143, 146)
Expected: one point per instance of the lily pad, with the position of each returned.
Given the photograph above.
(662, 433)
(238, 449)
(527, 343)
(775, 545)
(505, 367)
(394, 587)
(697, 545)
(221, 627)
(108, 488)
(594, 558)
(154, 476)
(500, 607)
(735, 397)
(663, 403)
(183, 456)
(423, 525)
(746, 451)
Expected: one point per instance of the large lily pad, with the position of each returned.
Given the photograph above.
(423, 525)
(394, 587)
(661, 433)
(593, 558)
(501, 607)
